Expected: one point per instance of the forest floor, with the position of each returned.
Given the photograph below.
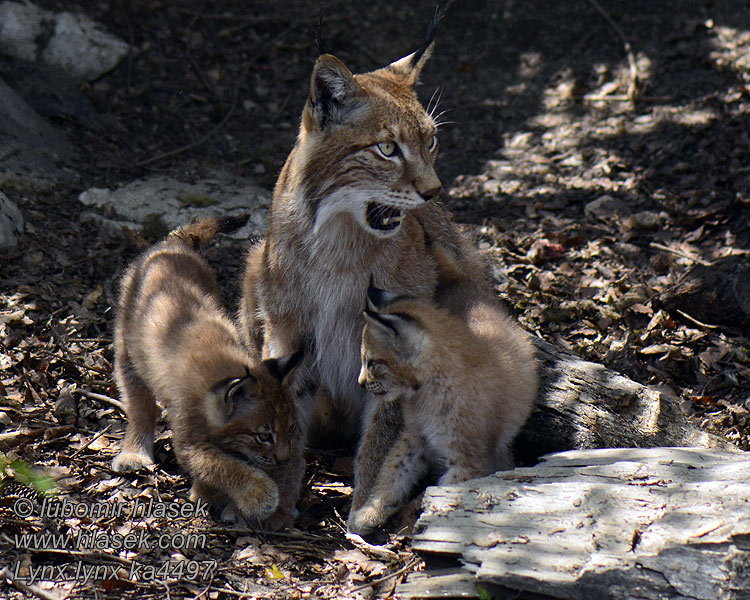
(616, 214)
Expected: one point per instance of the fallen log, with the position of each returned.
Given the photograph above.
(584, 405)
(661, 523)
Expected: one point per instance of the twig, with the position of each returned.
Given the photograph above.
(204, 80)
(410, 565)
(29, 589)
(293, 535)
(74, 363)
(102, 398)
(372, 550)
(101, 557)
(10, 436)
(91, 441)
(230, 112)
(700, 261)
(633, 87)
(623, 98)
(696, 321)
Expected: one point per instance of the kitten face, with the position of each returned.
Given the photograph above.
(387, 371)
(252, 419)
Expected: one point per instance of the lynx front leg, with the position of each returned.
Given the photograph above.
(404, 466)
(137, 449)
(378, 438)
(254, 493)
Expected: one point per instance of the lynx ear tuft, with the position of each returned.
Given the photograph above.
(280, 367)
(334, 93)
(409, 67)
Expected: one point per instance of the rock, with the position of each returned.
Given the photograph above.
(29, 146)
(66, 407)
(606, 207)
(154, 206)
(72, 42)
(11, 223)
(646, 220)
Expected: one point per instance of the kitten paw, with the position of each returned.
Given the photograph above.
(281, 519)
(232, 514)
(260, 501)
(364, 520)
(126, 462)
(458, 475)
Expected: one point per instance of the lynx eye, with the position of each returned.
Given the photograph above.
(433, 143)
(264, 438)
(388, 149)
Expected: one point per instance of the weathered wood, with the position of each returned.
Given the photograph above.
(584, 405)
(666, 523)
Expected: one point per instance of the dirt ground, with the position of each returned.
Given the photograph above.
(613, 200)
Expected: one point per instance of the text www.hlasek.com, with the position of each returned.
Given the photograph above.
(190, 570)
(100, 540)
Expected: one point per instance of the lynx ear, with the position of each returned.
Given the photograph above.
(410, 66)
(282, 366)
(334, 93)
(378, 299)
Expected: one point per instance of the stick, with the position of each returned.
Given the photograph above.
(29, 589)
(696, 321)
(372, 550)
(91, 441)
(102, 398)
(633, 87)
(410, 565)
(700, 261)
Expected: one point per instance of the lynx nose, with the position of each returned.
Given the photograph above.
(428, 195)
(281, 454)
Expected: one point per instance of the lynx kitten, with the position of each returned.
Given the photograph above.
(233, 426)
(465, 392)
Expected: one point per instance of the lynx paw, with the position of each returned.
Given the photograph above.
(127, 461)
(364, 520)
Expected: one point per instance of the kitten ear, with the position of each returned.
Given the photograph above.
(334, 93)
(236, 391)
(282, 366)
(381, 324)
(400, 330)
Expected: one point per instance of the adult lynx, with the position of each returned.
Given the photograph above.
(356, 198)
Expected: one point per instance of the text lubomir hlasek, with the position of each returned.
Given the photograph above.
(141, 508)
